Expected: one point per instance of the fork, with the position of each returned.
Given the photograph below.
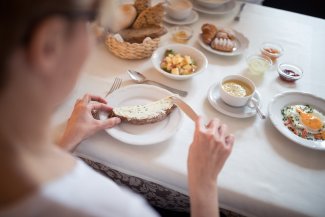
(116, 85)
(237, 18)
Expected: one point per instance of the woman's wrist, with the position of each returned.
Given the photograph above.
(69, 142)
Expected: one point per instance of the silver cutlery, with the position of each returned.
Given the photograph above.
(116, 85)
(258, 110)
(140, 78)
(237, 18)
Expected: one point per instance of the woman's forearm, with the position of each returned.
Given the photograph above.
(204, 201)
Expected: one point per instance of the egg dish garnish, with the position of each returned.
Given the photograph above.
(304, 121)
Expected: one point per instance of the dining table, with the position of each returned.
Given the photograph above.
(266, 174)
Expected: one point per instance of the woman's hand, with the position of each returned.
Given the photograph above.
(209, 150)
(82, 124)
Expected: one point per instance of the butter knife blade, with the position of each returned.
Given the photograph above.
(185, 108)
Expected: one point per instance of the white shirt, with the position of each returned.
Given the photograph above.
(81, 192)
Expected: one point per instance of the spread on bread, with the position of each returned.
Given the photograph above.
(221, 39)
(145, 114)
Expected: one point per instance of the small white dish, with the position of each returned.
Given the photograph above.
(178, 9)
(236, 112)
(211, 4)
(222, 9)
(198, 57)
(295, 98)
(241, 44)
(146, 134)
(192, 18)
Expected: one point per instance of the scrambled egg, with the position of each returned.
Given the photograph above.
(177, 64)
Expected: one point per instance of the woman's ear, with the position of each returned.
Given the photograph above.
(47, 45)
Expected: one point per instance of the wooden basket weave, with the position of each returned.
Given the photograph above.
(131, 51)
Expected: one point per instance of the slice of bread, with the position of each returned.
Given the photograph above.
(138, 35)
(152, 16)
(145, 114)
(141, 5)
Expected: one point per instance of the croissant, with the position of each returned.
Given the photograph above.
(222, 44)
(209, 32)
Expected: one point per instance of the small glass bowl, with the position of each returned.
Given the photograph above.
(258, 64)
(182, 34)
(289, 72)
(271, 50)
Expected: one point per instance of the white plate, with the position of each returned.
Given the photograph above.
(194, 16)
(294, 98)
(241, 44)
(142, 134)
(222, 9)
(237, 112)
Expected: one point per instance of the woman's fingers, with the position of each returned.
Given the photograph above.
(230, 139)
(100, 107)
(198, 124)
(222, 130)
(89, 97)
(212, 123)
(110, 122)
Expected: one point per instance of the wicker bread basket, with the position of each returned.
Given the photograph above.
(131, 51)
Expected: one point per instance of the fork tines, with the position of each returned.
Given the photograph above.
(116, 85)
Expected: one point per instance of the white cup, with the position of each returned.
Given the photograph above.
(237, 101)
(179, 9)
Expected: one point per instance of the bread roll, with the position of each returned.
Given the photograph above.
(209, 32)
(150, 17)
(124, 16)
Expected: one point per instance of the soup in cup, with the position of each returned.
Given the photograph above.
(236, 90)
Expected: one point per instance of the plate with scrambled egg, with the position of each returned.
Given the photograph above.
(179, 62)
(300, 117)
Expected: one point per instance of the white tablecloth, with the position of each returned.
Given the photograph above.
(267, 174)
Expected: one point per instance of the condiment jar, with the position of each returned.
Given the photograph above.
(271, 50)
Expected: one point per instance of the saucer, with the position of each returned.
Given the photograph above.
(222, 9)
(194, 16)
(237, 112)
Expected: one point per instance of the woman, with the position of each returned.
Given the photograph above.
(42, 51)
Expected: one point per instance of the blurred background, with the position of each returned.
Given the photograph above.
(313, 8)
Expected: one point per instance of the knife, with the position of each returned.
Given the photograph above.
(185, 108)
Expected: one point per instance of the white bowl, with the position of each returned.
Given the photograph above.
(212, 3)
(179, 9)
(236, 101)
(195, 54)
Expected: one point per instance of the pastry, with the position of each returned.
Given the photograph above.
(152, 16)
(222, 44)
(209, 32)
(230, 33)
